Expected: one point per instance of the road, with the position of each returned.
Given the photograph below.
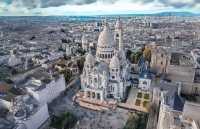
(153, 114)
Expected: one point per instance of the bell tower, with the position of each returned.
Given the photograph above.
(118, 35)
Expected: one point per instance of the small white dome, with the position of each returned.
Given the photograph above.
(84, 40)
(90, 59)
(118, 24)
(114, 63)
(106, 39)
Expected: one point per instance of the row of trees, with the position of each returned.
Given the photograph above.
(134, 57)
(65, 121)
(137, 121)
(68, 74)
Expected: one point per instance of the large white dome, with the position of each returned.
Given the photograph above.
(106, 39)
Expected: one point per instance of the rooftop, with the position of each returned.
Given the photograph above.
(6, 124)
(181, 59)
(38, 79)
(25, 106)
(172, 97)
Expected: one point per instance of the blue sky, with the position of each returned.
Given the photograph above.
(93, 7)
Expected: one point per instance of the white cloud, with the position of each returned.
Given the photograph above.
(19, 7)
(102, 8)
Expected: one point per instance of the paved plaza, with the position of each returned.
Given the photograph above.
(88, 119)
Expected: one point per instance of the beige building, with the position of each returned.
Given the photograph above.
(181, 69)
(159, 59)
(175, 112)
(189, 118)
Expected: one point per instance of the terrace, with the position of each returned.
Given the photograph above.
(137, 100)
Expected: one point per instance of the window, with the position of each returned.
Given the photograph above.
(98, 96)
(88, 94)
(93, 95)
(111, 88)
(117, 35)
(144, 83)
(113, 77)
(95, 80)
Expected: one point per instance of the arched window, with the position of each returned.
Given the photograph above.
(88, 94)
(93, 95)
(108, 55)
(144, 82)
(98, 96)
(95, 80)
(117, 35)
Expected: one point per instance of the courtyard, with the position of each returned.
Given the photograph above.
(86, 118)
(106, 119)
(137, 100)
(143, 99)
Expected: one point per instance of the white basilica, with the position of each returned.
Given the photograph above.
(106, 76)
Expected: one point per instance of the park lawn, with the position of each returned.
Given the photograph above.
(146, 96)
(145, 104)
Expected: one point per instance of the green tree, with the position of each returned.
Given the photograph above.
(134, 57)
(147, 54)
(65, 121)
(136, 121)
(128, 54)
(67, 74)
(80, 64)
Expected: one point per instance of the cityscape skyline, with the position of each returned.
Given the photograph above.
(99, 64)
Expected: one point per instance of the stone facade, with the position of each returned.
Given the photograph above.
(106, 76)
(159, 60)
